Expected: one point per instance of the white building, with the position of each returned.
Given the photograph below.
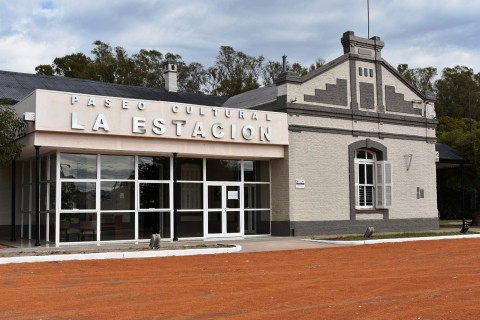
(344, 147)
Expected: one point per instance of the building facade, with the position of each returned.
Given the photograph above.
(347, 146)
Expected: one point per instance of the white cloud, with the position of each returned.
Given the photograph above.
(415, 32)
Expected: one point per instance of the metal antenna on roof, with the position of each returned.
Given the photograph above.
(368, 19)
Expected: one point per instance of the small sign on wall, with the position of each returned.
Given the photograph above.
(232, 195)
(299, 184)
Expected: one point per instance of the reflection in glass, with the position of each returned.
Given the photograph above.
(43, 226)
(215, 222)
(233, 221)
(153, 222)
(257, 196)
(117, 195)
(256, 171)
(43, 196)
(78, 195)
(191, 195)
(26, 166)
(153, 168)
(257, 222)
(190, 224)
(76, 227)
(117, 167)
(47, 219)
(189, 169)
(43, 169)
(52, 226)
(154, 195)
(117, 226)
(214, 197)
(53, 167)
(26, 198)
(52, 196)
(78, 166)
(223, 170)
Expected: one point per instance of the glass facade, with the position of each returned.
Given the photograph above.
(128, 198)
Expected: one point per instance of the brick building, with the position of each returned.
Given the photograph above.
(349, 145)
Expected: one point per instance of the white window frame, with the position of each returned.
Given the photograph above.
(382, 186)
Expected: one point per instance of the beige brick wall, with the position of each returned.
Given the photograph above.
(321, 159)
(421, 174)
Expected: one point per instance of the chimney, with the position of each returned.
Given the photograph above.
(170, 75)
(363, 47)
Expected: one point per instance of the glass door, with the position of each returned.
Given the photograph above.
(223, 210)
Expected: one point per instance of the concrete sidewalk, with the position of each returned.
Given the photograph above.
(24, 250)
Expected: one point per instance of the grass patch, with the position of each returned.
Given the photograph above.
(377, 236)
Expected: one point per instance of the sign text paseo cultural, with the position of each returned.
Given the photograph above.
(175, 120)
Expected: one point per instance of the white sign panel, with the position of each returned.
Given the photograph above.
(129, 117)
(300, 184)
(232, 195)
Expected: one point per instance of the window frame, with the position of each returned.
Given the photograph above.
(381, 153)
(365, 162)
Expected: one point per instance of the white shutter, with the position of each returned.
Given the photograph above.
(383, 184)
(388, 183)
(357, 193)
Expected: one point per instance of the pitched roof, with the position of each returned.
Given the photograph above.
(16, 86)
(252, 98)
(449, 157)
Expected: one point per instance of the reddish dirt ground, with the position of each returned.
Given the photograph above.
(414, 280)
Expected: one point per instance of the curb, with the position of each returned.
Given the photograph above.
(119, 255)
(367, 242)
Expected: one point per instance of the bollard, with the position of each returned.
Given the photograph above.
(155, 241)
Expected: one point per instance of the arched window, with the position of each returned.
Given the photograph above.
(364, 179)
(373, 182)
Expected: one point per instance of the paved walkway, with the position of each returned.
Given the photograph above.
(25, 247)
(278, 244)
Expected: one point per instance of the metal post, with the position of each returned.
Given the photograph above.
(37, 195)
(175, 197)
(368, 19)
(464, 225)
(12, 234)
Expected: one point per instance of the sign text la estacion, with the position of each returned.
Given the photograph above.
(182, 121)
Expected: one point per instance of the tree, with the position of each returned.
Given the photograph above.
(462, 134)
(457, 87)
(75, 65)
(11, 128)
(149, 68)
(234, 72)
(192, 77)
(270, 71)
(317, 64)
(420, 78)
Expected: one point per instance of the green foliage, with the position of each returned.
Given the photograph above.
(11, 128)
(455, 89)
(234, 72)
(420, 78)
(462, 134)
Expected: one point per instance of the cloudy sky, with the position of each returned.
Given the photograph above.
(421, 33)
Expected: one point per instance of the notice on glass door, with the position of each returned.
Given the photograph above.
(232, 195)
